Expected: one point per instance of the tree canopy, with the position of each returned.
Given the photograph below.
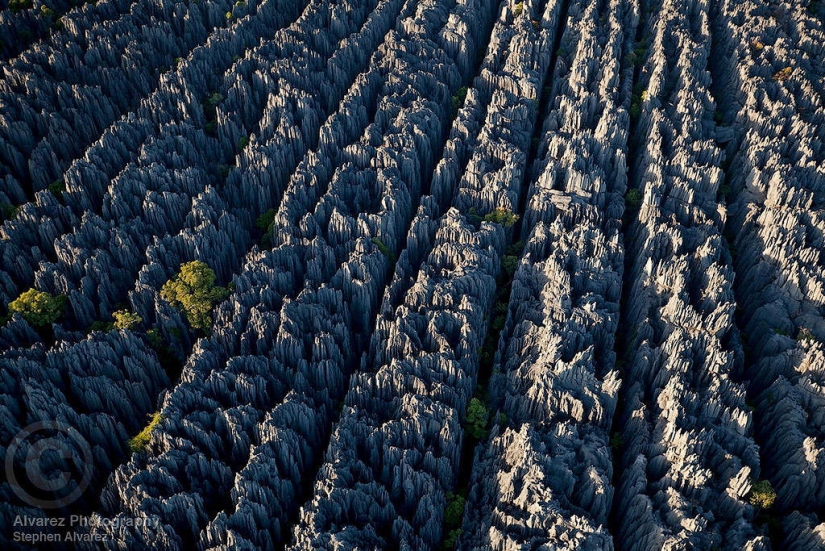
(38, 308)
(194, 291)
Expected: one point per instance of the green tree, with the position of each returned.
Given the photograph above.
(124, 319)
(455, 510)
(142, 439)
(194, 291)
(476, 418)
(502, 216)
(38, 308)
(762, 495)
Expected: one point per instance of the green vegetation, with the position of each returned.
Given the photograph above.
(636, 100)
(518, 9)
(455, 510)
(453, 516)
(18, 5)
(805, 335)
(762, 495)
(505, 217)
(38, 308)
(57, 188)
(124, 319)
(243, 142)
(194, 291)
(509, 264)
(210, 111)
(783, 74)
(633, 199)
(452, 538)
(458, 99)
(264, 221)
(385, 250)
(141, 440)
(476, 418)
(9, 211)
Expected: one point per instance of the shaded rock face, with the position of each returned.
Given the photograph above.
(502, 275)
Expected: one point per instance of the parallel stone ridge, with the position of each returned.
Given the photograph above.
(777, 180)
(688, 452)
(474, 274)
(544, 476)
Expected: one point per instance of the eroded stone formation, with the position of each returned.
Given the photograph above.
(488, 275)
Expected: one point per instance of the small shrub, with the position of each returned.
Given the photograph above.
(518, 9)
(455, 510)
(385, 250)
(452, 538)
(633, 199)
(476, 418)
(230, 16)
(265, 220)
(509, 264)
(243, 142)
(124, 319)
(9, 211)
(46, 11)
(805, 334)
(762, 495)
(458, 99)
(756, 45)
(194, 292)
(57, 188)
(783, 74)
(142, 439)
(19, 5)
(515, 249)
(38, 308)
(505, 217)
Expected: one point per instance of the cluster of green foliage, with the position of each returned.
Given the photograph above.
(518, 9)
(458, 99)
(633, 199)
(9, 211)
(476, 421)
(762, 495)
(385, 250)
(210, 110)
(503, 216)
(124, 319)
(57, 188)
(38, 308)
(452, 519)
(264, 221)
(783, 74)
(142, 439)
(636, 100)
(194, 291)
(19, 5)
(243, 142)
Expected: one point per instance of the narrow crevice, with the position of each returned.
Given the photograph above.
(624, 332)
